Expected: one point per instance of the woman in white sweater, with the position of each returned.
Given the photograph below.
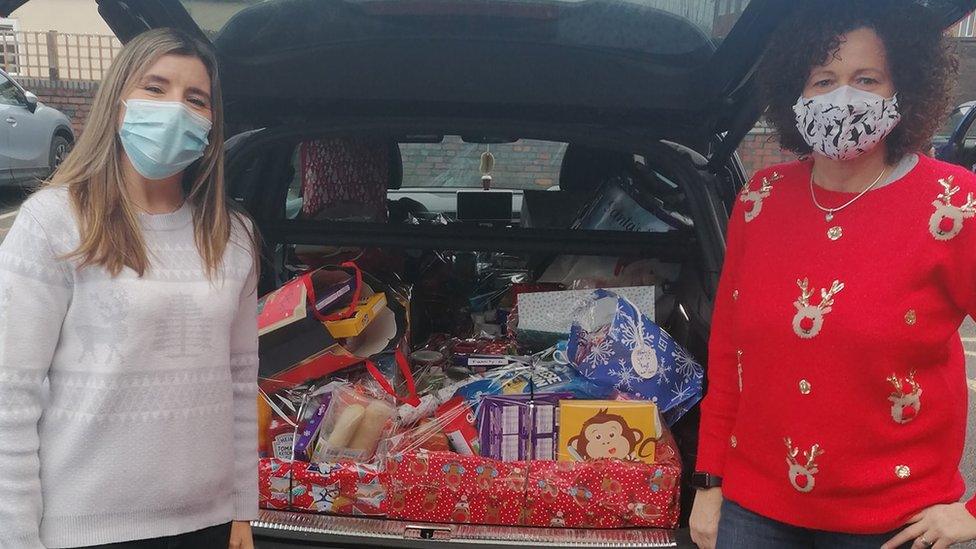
(128, 337)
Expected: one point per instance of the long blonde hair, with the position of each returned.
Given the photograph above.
(109, 227)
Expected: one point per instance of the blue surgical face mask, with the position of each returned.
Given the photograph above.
(162, 138)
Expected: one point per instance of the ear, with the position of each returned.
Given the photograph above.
(574, 443)
(637, 434)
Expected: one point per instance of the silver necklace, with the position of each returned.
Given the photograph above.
(831, 211)
(836, 232)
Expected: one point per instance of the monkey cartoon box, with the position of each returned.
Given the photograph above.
(594, 429)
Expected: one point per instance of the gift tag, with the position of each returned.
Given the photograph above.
(644, 360)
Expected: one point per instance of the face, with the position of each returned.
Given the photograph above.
(860, 62)
(607, 440)
(179, 79)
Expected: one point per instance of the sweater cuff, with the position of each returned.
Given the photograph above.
(971, 506)
(246, 506)
(711, 463)
(28, 541)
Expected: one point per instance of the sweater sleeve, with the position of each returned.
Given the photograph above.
(35, 291)
(721, 402)
(244, 372)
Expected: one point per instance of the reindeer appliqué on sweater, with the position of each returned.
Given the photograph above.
(906, 400)
(809, 318)
(756, 196)
(946, 221)
(802, 475)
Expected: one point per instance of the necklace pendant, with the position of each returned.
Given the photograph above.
(834, 233)
(830, 216)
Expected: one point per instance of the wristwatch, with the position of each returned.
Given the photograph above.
(703, 481)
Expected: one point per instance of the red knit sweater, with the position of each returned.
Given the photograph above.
(843, 406)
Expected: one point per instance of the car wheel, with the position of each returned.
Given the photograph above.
(60, 147)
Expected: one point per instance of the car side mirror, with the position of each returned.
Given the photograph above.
(31, 101)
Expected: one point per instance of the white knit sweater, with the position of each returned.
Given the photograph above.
(127, 404)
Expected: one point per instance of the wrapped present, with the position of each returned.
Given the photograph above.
(447, 487)
(606, 493)
(345, 487)
(520, 427)
(613, 344)
(596, 429)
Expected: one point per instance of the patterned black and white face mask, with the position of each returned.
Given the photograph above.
(846, 122)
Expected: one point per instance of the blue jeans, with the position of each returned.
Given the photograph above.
(739, 528)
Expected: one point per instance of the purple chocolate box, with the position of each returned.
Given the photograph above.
(520, 427)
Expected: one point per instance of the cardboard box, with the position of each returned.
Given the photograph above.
(288, 333)
(594, 429)
(367, 311)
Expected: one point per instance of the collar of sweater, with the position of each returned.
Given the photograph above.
(169, 221)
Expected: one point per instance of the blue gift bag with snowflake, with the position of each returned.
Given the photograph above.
(612, 344)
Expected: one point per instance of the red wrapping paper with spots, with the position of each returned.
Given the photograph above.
(344, 488)
(447, 487)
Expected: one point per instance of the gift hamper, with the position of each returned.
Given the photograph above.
(527, 404)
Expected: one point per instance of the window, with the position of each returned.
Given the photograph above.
(9, 93)
(966, 26)
(8, 45)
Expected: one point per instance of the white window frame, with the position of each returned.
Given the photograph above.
(13, 25)
(966, 26)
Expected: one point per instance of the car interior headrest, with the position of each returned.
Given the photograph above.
(584, 168)
(396, 166)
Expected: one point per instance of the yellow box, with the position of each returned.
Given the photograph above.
(366, 311)
(594, 429)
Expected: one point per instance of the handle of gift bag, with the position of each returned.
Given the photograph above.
(411, 398)
(349, 311)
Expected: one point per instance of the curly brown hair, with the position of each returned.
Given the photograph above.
(922, 62)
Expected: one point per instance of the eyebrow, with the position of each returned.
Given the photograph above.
(160, 80)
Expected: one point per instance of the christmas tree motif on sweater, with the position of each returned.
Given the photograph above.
(101, 339)
(756, 197)
(946, 221)
(906, 400)
(183, 330)
(809, 318)
(802, 475)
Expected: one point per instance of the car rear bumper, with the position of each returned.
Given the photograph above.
(289, 530)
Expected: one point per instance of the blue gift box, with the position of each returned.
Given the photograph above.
(623, 349)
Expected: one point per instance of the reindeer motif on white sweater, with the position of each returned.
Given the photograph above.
(109, 331)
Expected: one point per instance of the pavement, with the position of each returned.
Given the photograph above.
(10, 201)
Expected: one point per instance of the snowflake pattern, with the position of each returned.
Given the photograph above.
(684, 365)
(625, 375)
(605, 357)
(600, 354)
(633, 334)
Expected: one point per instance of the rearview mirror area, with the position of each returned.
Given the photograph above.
(31, 101)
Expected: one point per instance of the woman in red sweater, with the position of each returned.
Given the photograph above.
(837, 399)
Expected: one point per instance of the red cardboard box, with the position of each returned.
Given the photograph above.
(605, 493)
(343, 488)
(448, 487)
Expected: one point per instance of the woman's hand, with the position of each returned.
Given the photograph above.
(704, 517)
(240, 535)
(938, 527)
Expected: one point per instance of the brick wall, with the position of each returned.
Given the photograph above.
(73, 98)
(527, 164)
(760, 149)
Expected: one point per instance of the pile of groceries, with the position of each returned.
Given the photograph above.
(508, 401)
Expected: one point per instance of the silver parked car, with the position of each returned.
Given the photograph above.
(34, 138)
